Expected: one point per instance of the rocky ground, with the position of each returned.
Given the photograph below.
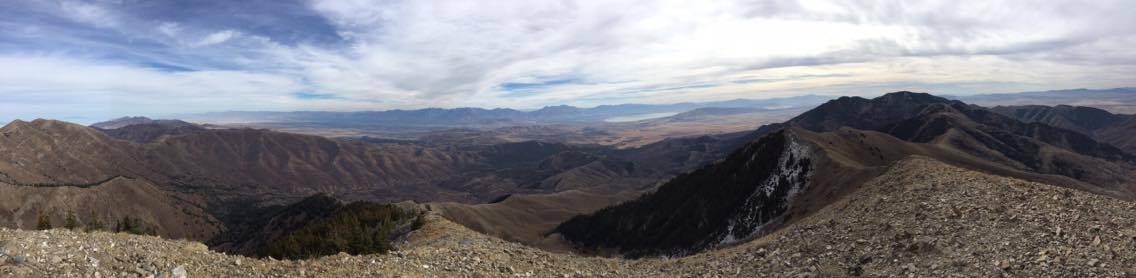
(440, 249)
(921, 219)
(927, 219)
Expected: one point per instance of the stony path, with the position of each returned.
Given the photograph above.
(922, 219)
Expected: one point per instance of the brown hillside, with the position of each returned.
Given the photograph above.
(920, 218)
(106, 203)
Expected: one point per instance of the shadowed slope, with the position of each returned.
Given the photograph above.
(978, 131)
(1085, 120)
(103, 205)
(921, 218)
(149, 131)
(767, 184)
(226, 172)
(1122, 135)
(1115, 129)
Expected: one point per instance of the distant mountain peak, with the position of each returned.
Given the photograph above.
(122, 122)
(130, 119)
(562, 107)
(911, 97)
(1086, 120)
(41, 125)
(861, 113)
(15, 123)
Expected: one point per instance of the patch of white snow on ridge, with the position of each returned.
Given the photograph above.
(794, 160)
(788, 168)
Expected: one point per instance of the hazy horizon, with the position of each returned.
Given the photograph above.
(87, 61)
(89, 120)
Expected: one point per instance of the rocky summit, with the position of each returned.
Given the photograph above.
(921, 218)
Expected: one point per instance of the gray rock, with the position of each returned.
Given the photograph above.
(18, 260)
(178, 272)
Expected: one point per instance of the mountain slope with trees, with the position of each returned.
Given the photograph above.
(850, 140)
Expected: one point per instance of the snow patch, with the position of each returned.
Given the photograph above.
(772, 195)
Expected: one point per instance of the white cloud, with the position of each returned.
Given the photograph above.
(407, 53)
(88, 13)
(458, 52)
(79, 87)
(217, 38)
(171, 29)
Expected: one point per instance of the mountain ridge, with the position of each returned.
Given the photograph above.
(853, 138)
(220, 171)
(470, 116)
(753, 183)
(919, 218)
(1114, 129)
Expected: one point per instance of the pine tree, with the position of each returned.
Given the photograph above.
(95, 225)
(71, 223)
(119, 226)
(419, 221)
(43, 223)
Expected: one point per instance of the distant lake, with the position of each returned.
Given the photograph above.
(640, 117)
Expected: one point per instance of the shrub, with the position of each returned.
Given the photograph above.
(43, 222)
(95, 225)
(135, 226)
(419, 221)
(70, 223)
(358, 228)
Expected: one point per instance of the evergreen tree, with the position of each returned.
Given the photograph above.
(133, 226)
(120, 225)
(43, 223)
(95, 225)
(71, 223)
(358, 228)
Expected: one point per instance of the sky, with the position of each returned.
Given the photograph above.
(86, 61)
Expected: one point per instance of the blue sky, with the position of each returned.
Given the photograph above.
(91, 60)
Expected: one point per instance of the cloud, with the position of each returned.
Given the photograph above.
(618, 46)
(408, 54)
(88, 13)
(169, 29)
(78, 88)
(216, 38)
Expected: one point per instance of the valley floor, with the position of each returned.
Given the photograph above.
(922, 218)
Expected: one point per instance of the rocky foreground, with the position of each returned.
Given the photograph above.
(922, 218)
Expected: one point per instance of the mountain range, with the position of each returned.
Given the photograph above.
(467, 117)
(240, 189)
(823, 154)
(1104, 126)
(1116, 100)
(199, 182)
